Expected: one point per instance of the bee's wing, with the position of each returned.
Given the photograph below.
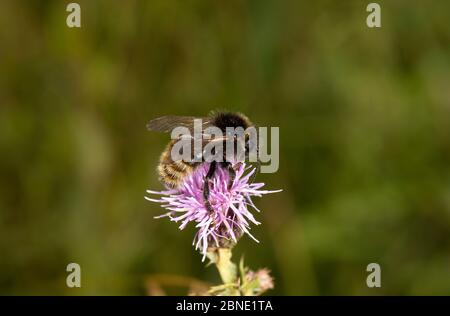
(166, 124)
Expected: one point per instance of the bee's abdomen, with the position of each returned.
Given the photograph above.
(173, 173)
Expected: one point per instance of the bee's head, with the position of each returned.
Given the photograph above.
(244, 141)
(239, 132)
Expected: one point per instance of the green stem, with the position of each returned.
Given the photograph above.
(221, 257)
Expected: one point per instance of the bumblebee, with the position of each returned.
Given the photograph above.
(172, 173)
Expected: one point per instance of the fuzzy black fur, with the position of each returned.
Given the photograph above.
(227, 119)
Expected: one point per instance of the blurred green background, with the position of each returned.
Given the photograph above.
(364, 127)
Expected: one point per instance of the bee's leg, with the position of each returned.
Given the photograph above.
(227, 165)
(208, 177)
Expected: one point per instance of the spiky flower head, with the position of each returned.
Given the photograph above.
(230, 218)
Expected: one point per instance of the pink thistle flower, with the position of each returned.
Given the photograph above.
(230, 218)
